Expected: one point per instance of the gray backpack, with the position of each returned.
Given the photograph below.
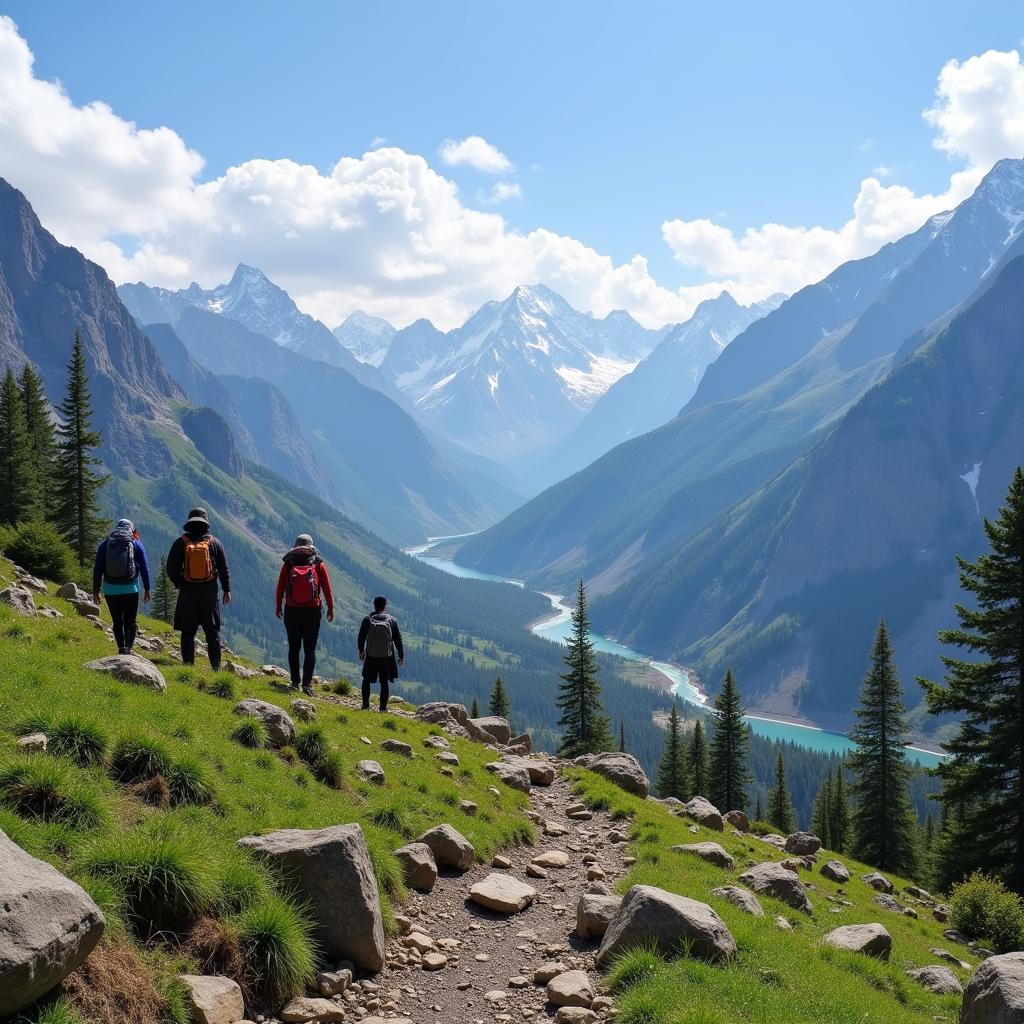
(378, 639)
(120, 561)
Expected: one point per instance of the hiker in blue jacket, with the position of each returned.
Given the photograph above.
(122, 569)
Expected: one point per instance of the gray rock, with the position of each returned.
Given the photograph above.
(575, 1015)
(711, 852)
(541, 773)
(705, 813)
(280, 727)
(305, 1009)
(995, 992)
(87, 609)
(48, 926)
(523, 741)
(333, 983)
(740, 897)
(738, 820)
(274, 670)
(450, 848)
(877, 881)
(130, 668)
(802, 844)
(944, 954)
(938, 979)
(418, 866)
(397, 747)
(245, 673)
(653, 916)
(73, 592)
(371, 771)
(512, 775)
(28, 581)
(453, 718)
(33, 743)
(303, 710)
(835, 871)
(869, 939)
(572, 988)
(547, 970)
(19, 600)
(495, 727)
(437, 743)
(624, 770)
(447, 757)
(212, 1000)
(772, 879)
(886, 902)
(594, 913)
(774, 839)
(328, 869)
(503, 893)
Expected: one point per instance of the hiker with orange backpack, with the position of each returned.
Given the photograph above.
(303, 586)
(195, 564)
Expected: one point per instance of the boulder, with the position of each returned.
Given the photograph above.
(774, 839)
(328, 869)
(371, 771)
(738, 820)
(454, 719)
(87, 609)
(468, 807)
(772, 879)
(304, 1009)
(397, 747)
(130, 668)
(524, 742)
(48, 926)
(511, 774)
(33, 743)
(19, 600)
(624, 770)
(835, 871)
(552, 859)
(450, 848)
(28, 581)
(280, 727)
(995, 992)
(802, 844)
(886, 902)
(73, 592)
(877, 881)
(938, 979)
(869, 939)
(495, 727)
(418, 866)
(711, 852)
(651, 916)
(572, 988)
(274, 670)
(594, 913)
(503, 893)
(212, 1000)
(541, 773)
(436, 742)
(447, 757)
(247, 673)
(303, 710)
(704, 812)
(740, 897)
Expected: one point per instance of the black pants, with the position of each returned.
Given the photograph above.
(374, 669)
(124, 609)
(199, 606)
(303, 628)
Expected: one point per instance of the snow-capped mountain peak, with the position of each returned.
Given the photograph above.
(366, 337)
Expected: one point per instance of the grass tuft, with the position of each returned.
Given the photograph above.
(251, 732)
(79, 740)
(222, 685)
(276, 940)
(138, 757)
(312, 744)
(634, 967)
(50, 790)
(188, 782)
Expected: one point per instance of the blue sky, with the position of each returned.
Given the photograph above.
(617, 117)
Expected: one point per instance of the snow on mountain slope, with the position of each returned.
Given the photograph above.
(366, 337)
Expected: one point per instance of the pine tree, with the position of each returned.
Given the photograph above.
(17, 500)
(622, 736)
(579, 693)
(780, 806)
(821, 818)
(474, 711)
(840, 826)
(78, 512)
(697, 764)
(759, 809)
(983, 779)
(729, 773)
(671, 778)
(163, 594)
(499, 704)
(883, 820)
(42, 443)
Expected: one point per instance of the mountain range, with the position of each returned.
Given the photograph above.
(366, 337)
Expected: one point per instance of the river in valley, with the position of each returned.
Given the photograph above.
(556, 626)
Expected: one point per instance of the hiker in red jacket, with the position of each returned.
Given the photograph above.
(303, 585)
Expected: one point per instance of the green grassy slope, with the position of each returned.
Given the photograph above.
(778, 977)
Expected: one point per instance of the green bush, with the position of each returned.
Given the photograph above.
(39, 549)
(188, 782)
(138, 757)
(312, 744)
(251, 733)
(78, 740)
(277, 943)
(985, 909)
(38, 787)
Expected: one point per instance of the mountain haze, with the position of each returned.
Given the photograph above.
(366, 337)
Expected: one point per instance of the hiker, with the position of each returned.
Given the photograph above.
(379, 639)
(195, 563)
(122, 569)
(302, 580)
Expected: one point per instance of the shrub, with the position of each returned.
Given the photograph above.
(44, 788)
(137, 758)
(251, 733)
(343, 686)
(188, 782)
(276, 938)
(80, 741)
(223, 686)
(312, 744)
(40, 549)
(984, 908)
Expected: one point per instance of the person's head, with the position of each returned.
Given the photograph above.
(198, 521)
(380, 603)
(304, 540)
(125, 525)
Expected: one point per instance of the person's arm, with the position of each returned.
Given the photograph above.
(325, 586)
(97, 570)
(140, 557)
(363, 630)
(282, 581)
(396, 636)
(221, 561)
(176, 563)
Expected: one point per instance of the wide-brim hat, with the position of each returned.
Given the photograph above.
(197, 517)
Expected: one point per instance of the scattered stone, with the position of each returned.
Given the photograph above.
(453, 719)
(594, 913)
(575, 1015)
(802, 843)
(447, 757)
(436, 742)
(33, 743)
(835, 871)
(418, 941)
(512, 775)
(552, 859)
(130, 668)
(941, 913)
(450, 848)
(49, 925)
(496, 995)
(956, 936)
(624, 770)
(738, 820)
(533, 871)
(498, 861)
(583, 815)
(547, 970)
(418, 866)
(280, 727)
(740, 897)
(330, 868)
(653, 916)
(869, 939)
(212, 1000)
(773, 879)
(877, 881)
(333, 983)
(886, 902)
(944, 954)
(541, 772)
(303, 710)
(774, 839)
(371, 771)
(502, 893)
(524, 741)
(397, 747)
(995, 992)
(711, 852)
(519, 981)
(572, 988)
(87, 609)
(30, 582)
(247, 673)
(938, 979)
(434, 961)
(468, 807)
(595, 873)
(783, 924)
(704, 812)
(597, 888)
(302, 1009)
(274, 670)
(496, 728)
(19, 600)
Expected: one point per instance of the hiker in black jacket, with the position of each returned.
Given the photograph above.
(379, 640)
(195, 563)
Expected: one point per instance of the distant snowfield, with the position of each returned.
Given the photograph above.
(584, 387)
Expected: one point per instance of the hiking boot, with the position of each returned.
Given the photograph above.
(308, 690)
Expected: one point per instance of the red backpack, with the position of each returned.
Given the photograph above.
(303, 586)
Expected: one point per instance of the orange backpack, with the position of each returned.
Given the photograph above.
(198, 560)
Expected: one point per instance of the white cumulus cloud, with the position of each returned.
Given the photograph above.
(502, 191)
(476, 152)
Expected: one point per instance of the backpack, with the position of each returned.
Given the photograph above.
(198, 560)
(378, 639)
(120, 561)
(303, 588)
